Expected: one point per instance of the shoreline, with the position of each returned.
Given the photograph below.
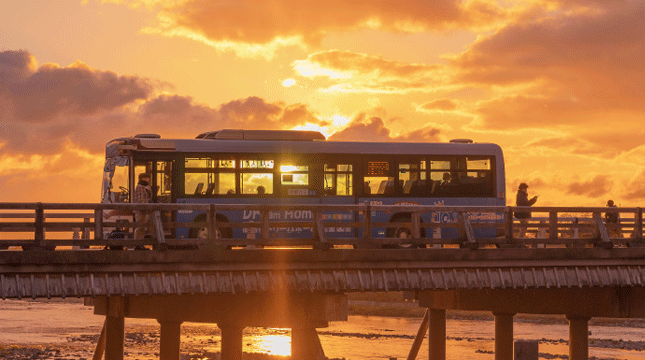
(201, 341)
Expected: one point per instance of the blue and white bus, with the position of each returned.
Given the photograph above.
(302, 167)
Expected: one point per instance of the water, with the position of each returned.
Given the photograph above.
(360, 338)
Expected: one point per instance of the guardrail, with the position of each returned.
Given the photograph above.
(87, 226)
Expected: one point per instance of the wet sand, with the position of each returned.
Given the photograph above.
(66, 329)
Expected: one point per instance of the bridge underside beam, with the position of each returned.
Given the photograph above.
(265, 310)
(614, 302)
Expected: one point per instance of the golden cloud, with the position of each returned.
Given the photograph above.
(262, 22)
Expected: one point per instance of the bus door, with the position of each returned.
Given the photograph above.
(338, 189)
(162, 186)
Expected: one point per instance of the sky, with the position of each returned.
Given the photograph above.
(558, 84)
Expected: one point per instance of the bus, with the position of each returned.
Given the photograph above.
(302, 167)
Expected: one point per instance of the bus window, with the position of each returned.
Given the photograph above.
(338, 180)
(256, 183)
(478, 181)
(294, 175)
(378, 178)
(410, 175)
(163, 181)
(206, 176)
(119, 184)
(257, 177)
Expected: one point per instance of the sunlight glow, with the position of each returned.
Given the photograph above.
(314, 127)
(288, 82)
(276, 344)
(308, 69)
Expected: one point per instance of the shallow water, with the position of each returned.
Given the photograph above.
(360, 338)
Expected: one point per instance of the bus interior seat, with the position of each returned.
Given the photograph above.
(407, 186)
(199, 188)
(210, 189)
(381, 187)
(367, 190)
(419, 188)
(389, 188)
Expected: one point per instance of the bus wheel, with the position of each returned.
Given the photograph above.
(403, 232)
(201, 232)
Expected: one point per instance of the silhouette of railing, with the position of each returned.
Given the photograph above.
(82, 226)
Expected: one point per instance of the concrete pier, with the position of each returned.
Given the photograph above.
(437, 334)
(503, 336)
(303, 313)
(170, 339)
(578, 337)
(579, 304)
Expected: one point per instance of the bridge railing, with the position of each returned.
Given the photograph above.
(96, 226)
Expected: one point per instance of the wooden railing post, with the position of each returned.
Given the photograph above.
(320, 241)
(211, 218)
(602, 237)
(367, 223)
(553, 225)
(638, 224)
(98, 226)
(158, 227)
(466, 233)
(416, 225)
(39, 230)
(264, 219)
(509, 223)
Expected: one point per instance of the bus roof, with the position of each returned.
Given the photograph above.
(276, 145)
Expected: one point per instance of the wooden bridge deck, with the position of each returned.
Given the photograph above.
(133, 273)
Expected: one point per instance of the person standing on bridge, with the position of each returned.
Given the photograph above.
(143, 195)
(522, 199)
(612, 221)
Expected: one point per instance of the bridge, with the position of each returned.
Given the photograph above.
(568, 261)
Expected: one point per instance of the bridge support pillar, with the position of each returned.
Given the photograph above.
(114, 336)
(578, 337)
(437, 334)
(305, 344)
(503, 336)
(231, 341)
(169, 339)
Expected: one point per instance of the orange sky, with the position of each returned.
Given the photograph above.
(559, 84)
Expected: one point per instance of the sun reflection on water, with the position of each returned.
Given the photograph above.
(275, 343)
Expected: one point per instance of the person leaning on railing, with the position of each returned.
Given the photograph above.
(142, 195)
(522, 199)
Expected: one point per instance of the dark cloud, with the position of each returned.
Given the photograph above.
(261, 22)
(441, 104)
(250, 113)
(365, 128)
(636, 188)
(598, 186)
(43, 94)
(575, 67)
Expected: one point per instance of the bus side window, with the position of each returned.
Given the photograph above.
(338, 180)
(378, 174)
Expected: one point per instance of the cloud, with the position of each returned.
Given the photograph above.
(249, 113)
(569, 68)
(45, 107)
(263, 22)
(636, 188)
(598, 186)
(39, 95)
(440, 104)
(350, 72)
(365, 128)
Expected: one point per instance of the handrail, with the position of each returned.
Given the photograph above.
(463, 226)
